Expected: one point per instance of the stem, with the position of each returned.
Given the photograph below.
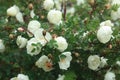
(64, 14)
(27, 31)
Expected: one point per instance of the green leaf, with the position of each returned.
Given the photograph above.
(33, 50)
(70, 75)
(52, 44)
(62, 56)
(115, 7)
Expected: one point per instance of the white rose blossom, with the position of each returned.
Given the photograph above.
(19, 17)
(45, 63)
(71, 11)
(62, 43)
(61, 77)
(118, 63)
(54, 16)
(93, 62)
(33, 47)
(21, 41)
(20, 77)
(103, 62)
(33, 26)
(65, 59)
(32, 14)
(2, 46)
(107, 23)
(115, 14)
(42, 36)
(104, 34)
(48, 4)
(14, 78)
(57, 4)
(12, 11)
(109, 76)
(114, 2)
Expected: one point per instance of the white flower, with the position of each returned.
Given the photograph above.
(62, 43)
(45, 63)
(48, 4)
(61, 77)
(32, 14)
(54, 16)
(14, 78)
(109, 76)
(12, 11)
(93, 62)
(33, 26)
(115, 14)
(19, 17)
(42, 36)
(79, 2)
(21, 41)
(114, 2)
(71, 11)
(57, 4)
(107, 23)
(118, 63)
(103, 62)
(2, 46)
(65, 59)
(20, 77)
(33, 47)
(104, 34)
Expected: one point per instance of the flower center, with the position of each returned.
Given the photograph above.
(49, 65)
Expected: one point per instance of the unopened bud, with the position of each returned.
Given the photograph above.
(20, 29)
(11, 36)
(54, 36)
(85, 20)
(77, 61)
(91, 2)
(107, 6)
(76, 54)
(30, 6)
(42, 17)
(44, 33)
(110, 46)
(50, 56)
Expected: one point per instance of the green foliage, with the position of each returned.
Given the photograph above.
(87, 18)
(70, 75)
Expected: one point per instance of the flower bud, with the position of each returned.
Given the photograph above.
(54, 36)
(107, 6)
(30, 6)
(20, 29)
(42, 17)
(11, 36)
(76, 54)
(91, 2)
(44, 32)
